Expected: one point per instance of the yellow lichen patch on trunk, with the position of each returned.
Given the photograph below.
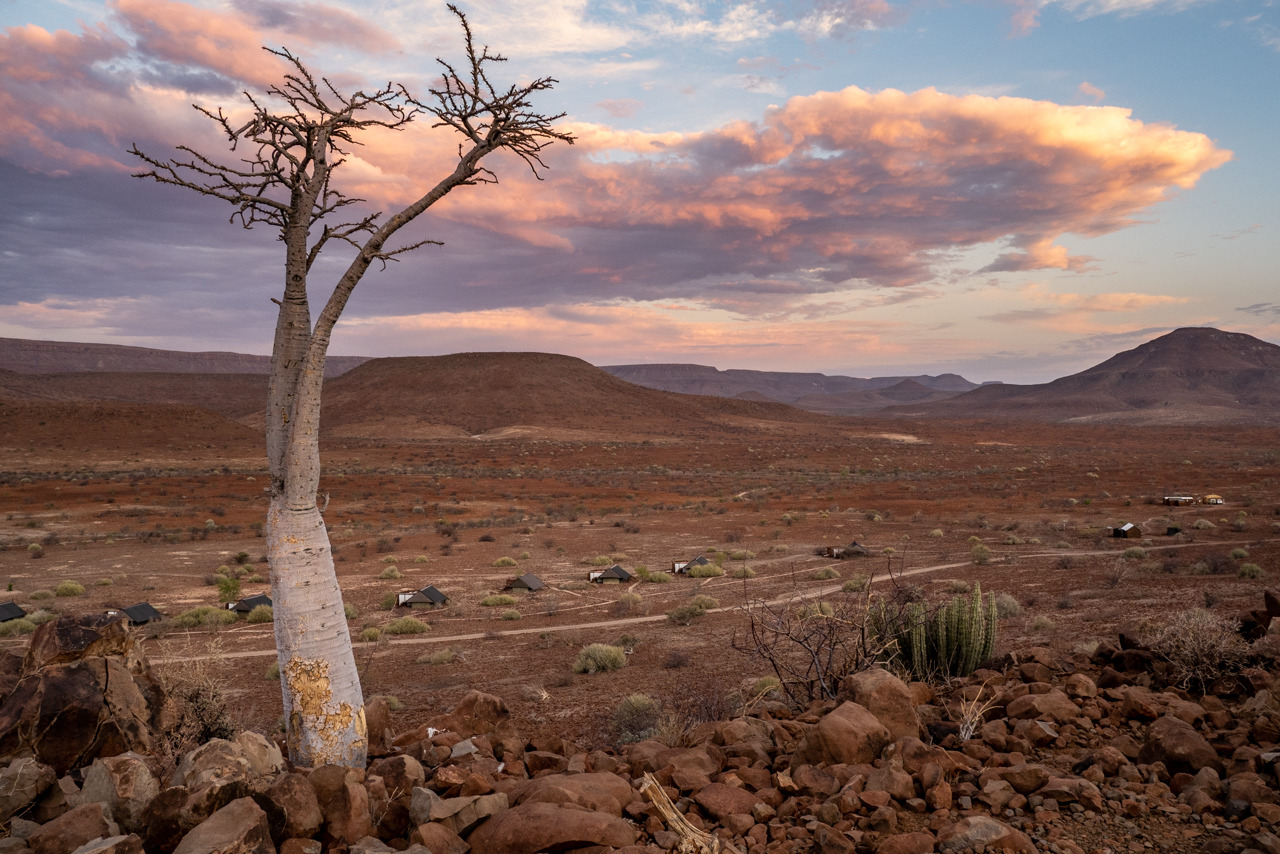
(328, 729)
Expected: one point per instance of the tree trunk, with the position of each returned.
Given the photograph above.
(323, 703)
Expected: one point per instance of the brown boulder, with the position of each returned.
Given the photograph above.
(70, 639)
(596, 791)
(529, 828)
(477, 713)
(438, 839)
(977, 831)
(238, 828)
(1177, 744)
(344, 802)
(72, 829)
(130, 844)
(21, 783)
(906, 843)
(885, 696)
(296, 797)
(849, 735)
(1052, 705)
(721, 801)
(125, 784)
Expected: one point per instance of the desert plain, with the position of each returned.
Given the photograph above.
(143, 503)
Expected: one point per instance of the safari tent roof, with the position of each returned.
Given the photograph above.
(528, 581)
(11, 611)
(248, 603)
(143, 612)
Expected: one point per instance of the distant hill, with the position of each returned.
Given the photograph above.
(1194, 375)
(55, 357)
(234, 395)
(476, 393)
(832, 395)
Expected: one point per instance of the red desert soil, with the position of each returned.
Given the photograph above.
(144, 503)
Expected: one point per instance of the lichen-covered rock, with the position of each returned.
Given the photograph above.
(125, 784)
(238, 828)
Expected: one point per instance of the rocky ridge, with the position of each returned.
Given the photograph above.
(1041, 754)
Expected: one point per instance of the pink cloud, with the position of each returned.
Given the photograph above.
(1088, 90)
(620, 108)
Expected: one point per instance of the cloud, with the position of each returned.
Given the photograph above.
(620, 108)
(1079, 313)
(1262, 309)
(1039, 254)
(1088, 90)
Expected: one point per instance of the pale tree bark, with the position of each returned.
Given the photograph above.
(298, 135)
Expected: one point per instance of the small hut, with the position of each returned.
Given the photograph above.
(427, 597)
(248, 603)
(613, 575)
(1127, 531)
(1212, 499)
(11, 611)
(854, 549)
(681, 567)
(1179, 500)
(137, 615)
(528, 581)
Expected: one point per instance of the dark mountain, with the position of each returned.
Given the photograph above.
(482, 392)
(816, 392)
(1193, 375)
(54, 357)
(872, 401)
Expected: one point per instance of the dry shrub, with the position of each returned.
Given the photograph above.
(600, 658)
(1201, 647)
(199, 702)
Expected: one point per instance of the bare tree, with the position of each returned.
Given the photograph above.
(294, 141)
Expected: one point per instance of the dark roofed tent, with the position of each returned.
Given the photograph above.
(11, 611)
(528, 581)
(248, 603)
(142, 613)
(427, 597)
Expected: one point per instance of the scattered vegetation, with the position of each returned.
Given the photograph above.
(494, 600)
(1201, 647)
(600, 658)
(827, 573)
(505, 561)
(260, 614)
(406, 626)
(952, 641)
(389, 573)
(68, 588)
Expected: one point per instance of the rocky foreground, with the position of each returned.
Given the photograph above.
(1047, 755)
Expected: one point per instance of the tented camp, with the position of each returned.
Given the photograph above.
(529, 582)
(613, 575)
(248, 603)
(842, 552)
(681, 567)
(427, 597)
(1212, 499)
(1179, 500)
(11, 611)
(139, 614)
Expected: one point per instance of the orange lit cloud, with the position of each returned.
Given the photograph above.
(1088, 90)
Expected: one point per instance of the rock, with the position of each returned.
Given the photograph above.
(238, 828)
(400, 776)
(377, 717)
(885, 696)
(906, 843)
(370, 845)
(439, 839)
(898, 783)
(262, 755)
(477, 713)
(21, 784)
(529, 828)
(344, 802)
(690, 768)
(68, 832)
(301, 846)
(721, 801)
(544, 761)
(595, 791)
(125, 784)
(459, 815)
(295, 795)
(1067, 790)
(61, 797)
(1053, 705)
(1177, 744)
(129, 844)
(978, 830)
(849, 735)
(1080, 687)
(84, 693)
(1025, 778)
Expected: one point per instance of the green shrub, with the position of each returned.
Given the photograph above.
(1007, 606)
(421, 559)
(505, 561)
(350, 611)
(600, 658)
(636, 718)
(273, 671)
(439, 656)
(1202, 525)
(1250, 570)
(981, 554)
(744, 572)
(388, 602)
(38, 595)
(370, 633)
(1239, 554)
(496, 599)
(511, 614)
(389, 559)
(598, 560)
(816, 609)
(1041, 624)
(704, 602)
(1134, 553)
(742, 554)
(709, 571)
(228, 589)
(766, 686)
(936, 534)
(20, 626)
(107, 582)
(857, 584)
(205, 616)
(657, 578)
(406, 626)
(956, 586)
(389, 573)
(69, 588)
(41, 617)
(1012, 540)
(827, 573)
(260, 614)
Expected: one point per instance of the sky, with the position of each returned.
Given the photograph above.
(1011, 190)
